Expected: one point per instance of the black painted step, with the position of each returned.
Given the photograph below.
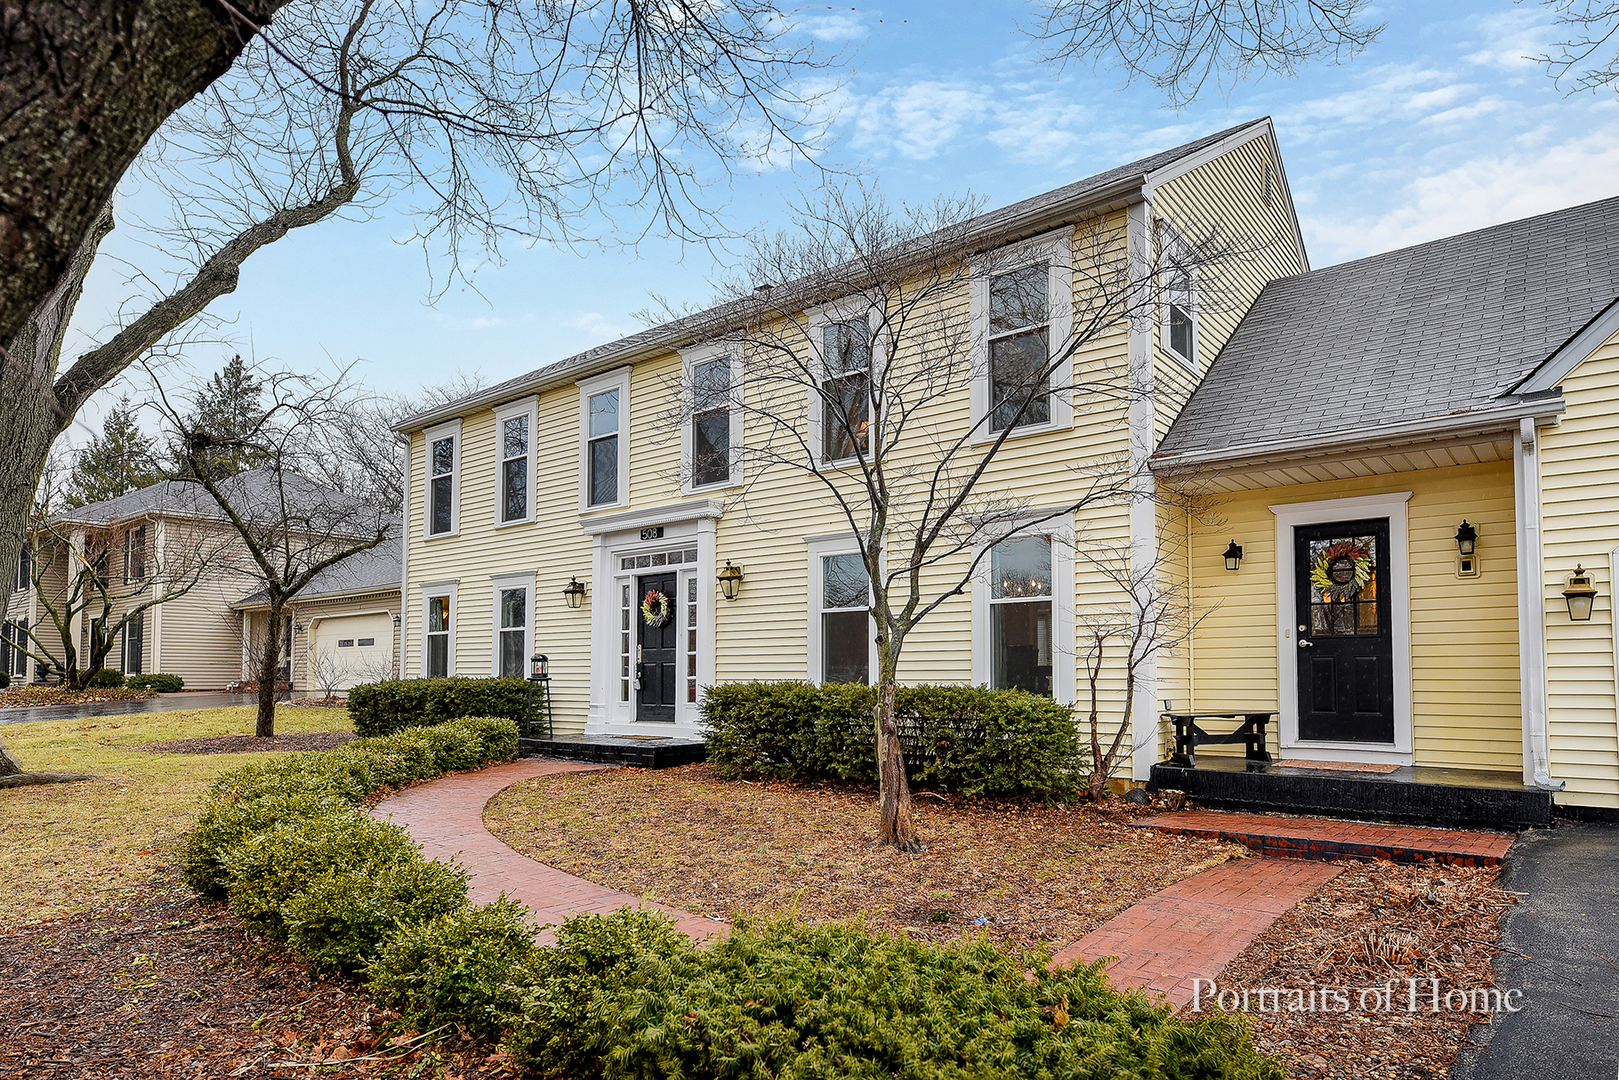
(635, 752)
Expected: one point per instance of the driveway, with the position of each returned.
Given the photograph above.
(199, 699)
(1561, 948)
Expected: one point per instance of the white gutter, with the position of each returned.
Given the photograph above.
(1531, 609)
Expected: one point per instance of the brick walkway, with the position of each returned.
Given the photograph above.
(1196, 927)
(1327, 838)
(446, 818)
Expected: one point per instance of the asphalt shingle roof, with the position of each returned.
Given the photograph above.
(1424, 333)
(376, 569)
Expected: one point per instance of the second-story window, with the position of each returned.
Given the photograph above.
(1178, 315)
(514, 441)
(135, 554)
(602, 449)
(711, 422)
(1019, 321)
(846, 390)
(443, 469)
(25, 566)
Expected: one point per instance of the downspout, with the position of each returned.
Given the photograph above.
(1613, 626)
(1531, 609)
(404, 549)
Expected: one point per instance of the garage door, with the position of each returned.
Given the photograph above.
(350, 649)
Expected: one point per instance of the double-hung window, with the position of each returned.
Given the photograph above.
(514, 440)
(845, 619)
(1020, 595)
(1179, 282)
(135, 554)
(134, 644)
(845, 390)
(1019, 328)
(711, 422)
(513, 620)
(443, 479)
(438, 632)
(604, 440)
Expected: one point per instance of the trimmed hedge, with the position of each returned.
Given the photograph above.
(163, 684)
(383, 707)
(997, 743)
(106, 679)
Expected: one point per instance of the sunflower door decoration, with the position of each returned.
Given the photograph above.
(1344, 587)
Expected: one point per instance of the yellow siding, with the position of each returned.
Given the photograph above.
(1580, 524)
(1464, 631)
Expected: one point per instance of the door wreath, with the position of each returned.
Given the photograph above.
(1341, 571)
(656, 609)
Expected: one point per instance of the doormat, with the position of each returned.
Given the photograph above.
(645, 738)
(1338, 766)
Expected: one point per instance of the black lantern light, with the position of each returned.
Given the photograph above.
(539, 667)
(1580, 594)
(574, 593)
(1466, 538)
(730, 581)
(1233, 556)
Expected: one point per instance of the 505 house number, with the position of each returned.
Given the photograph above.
(654, 533)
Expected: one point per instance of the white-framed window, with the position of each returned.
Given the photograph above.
(135, 554)
(843, 641)
(845, 347)
(443, 495)
(1178, 279)
(604, 449)
(438, 630)
(514, 626)
(514, 474)
(1023, 613)
(1022, 317)
(711, 443)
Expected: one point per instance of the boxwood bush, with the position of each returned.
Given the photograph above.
(469, 967)
(998, 743)
(106, 679)
(383, 707)
(163, 684)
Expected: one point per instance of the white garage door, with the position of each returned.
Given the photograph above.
(350, 649)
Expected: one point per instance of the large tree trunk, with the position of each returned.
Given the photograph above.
(269, 668)
(893, 789)
(83, 86)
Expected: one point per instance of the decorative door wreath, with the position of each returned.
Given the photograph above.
(656, 609)
(1341, 571)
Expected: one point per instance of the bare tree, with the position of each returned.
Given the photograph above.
(289, 528)
(493, 121)
(871, 406)
(1589, 57)
(1179, 45)
(327, 672)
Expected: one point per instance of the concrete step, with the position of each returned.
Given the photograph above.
(1331, 839)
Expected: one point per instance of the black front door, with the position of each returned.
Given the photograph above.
(655, 700)
(1344, 641)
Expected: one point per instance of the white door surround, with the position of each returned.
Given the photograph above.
(1290, 515)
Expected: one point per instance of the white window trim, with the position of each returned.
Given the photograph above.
(439, 588)
(689, 360)
(848, 309)
(1063, 659)
(500, 584)
(435, 434)
(1055, 249)
(818, 547)
(1288, 515)
(617, 379)
(528, 407)
(1170, 237)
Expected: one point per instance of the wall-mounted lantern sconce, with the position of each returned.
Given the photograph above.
(730, 581)
(1580, 595)
(1233, 556)
(396, 622)
(1466, 538)
(539, 667)
(574, 593)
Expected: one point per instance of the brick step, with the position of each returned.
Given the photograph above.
(1331, 839)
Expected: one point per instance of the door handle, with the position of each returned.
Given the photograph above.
(1306, 643)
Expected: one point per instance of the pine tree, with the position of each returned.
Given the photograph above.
(228, 412)
(119, 460)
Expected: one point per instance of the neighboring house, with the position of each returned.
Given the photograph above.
(1347, 421)
(169, 531)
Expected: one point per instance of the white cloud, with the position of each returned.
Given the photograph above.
(916, 120)
(1510, 39)
(596, 325)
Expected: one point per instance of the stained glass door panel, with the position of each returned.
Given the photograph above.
(1343, 640)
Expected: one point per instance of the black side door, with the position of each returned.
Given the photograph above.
(656, 646)
(1345, 644)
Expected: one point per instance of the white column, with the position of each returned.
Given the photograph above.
(1531, 608)
(1143, 507)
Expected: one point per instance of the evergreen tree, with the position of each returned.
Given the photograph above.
(119, 460)
(228, 412)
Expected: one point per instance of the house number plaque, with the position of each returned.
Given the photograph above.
(654, 533)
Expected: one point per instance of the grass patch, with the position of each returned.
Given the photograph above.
(1025, 875)
(65, 847)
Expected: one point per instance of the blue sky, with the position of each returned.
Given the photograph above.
(1440, 127)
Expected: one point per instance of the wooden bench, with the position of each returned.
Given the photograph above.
(1189, 734)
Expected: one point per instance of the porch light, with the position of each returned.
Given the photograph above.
(574, 593)
(1466, 538)
(730, 581)
(1580, 594)
(1233, 556)
(539, 667)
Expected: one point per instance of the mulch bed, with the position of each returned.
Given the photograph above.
(250, 744)
(166, 985)
(22, 697)
(1376, 923)
(1025, 875)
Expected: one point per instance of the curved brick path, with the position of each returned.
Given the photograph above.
(445, 817)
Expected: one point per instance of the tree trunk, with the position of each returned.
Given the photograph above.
(269, 668)
(83, 86)
(893, 789)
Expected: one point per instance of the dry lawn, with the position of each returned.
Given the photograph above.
(64, 847)
(1025, 875)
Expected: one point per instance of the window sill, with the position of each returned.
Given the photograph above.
(586, 511)
(442, 535)
(707, 489)
(1023, 432)
(514, 521)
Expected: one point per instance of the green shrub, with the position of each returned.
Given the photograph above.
(469, 967)
(271, 868)
(5, 680)
(224, 827)
(782, 999)
(383, 707)
(106, 679)
(163, 684)
(999, 743)
(342, 919)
